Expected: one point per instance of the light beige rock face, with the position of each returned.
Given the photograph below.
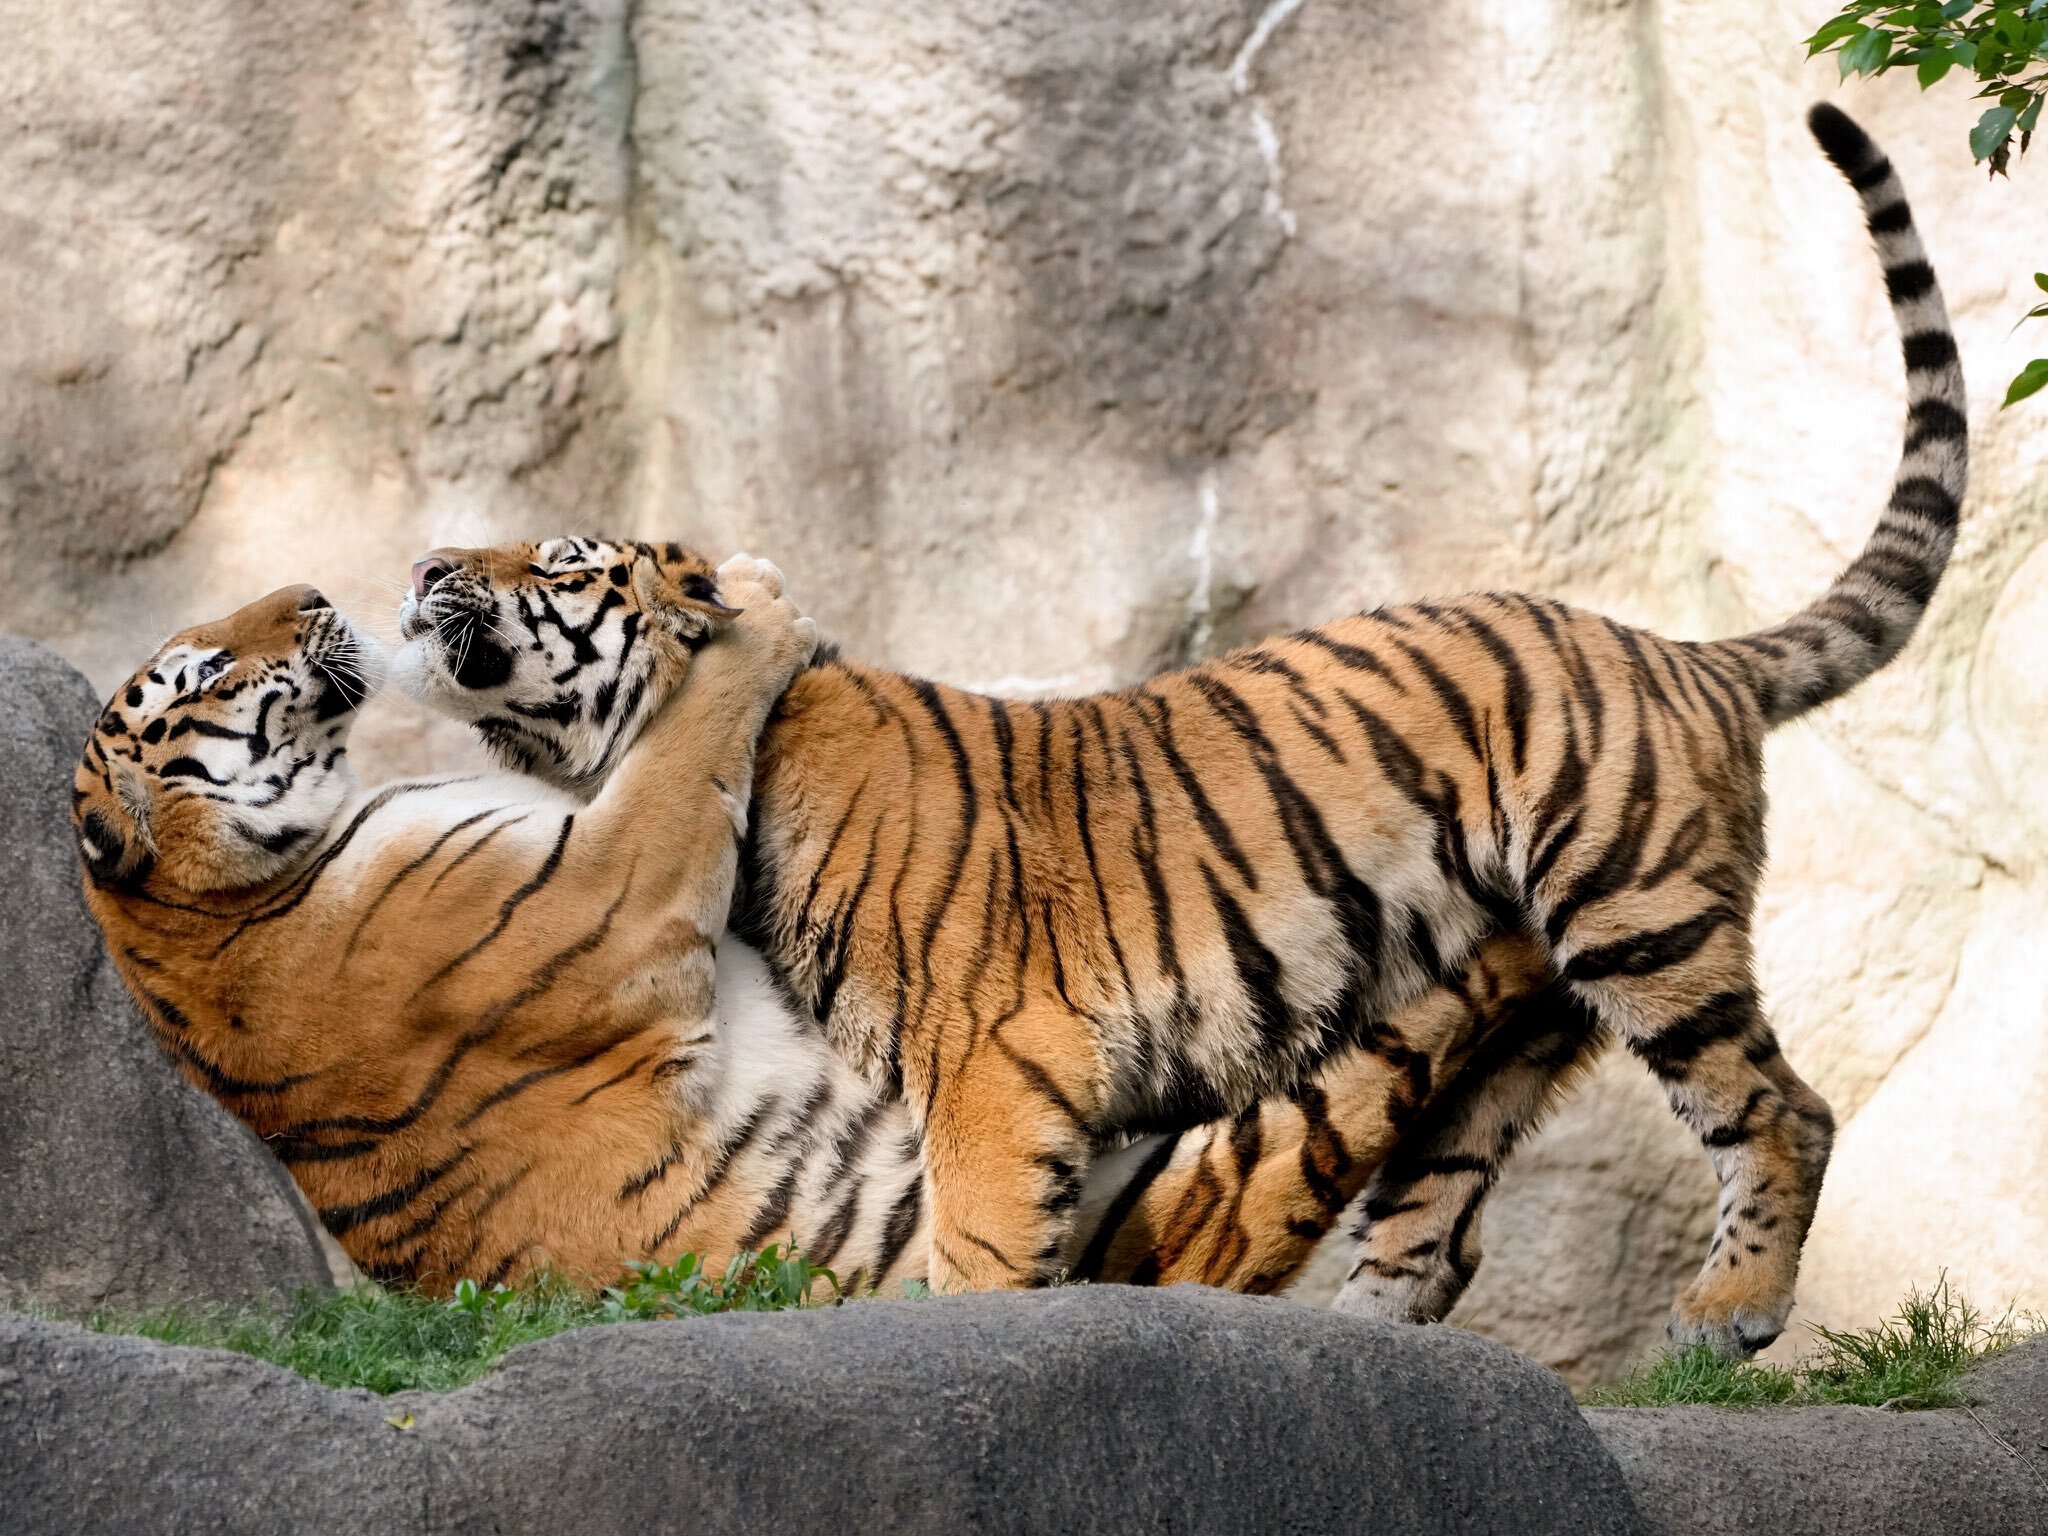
(1043, 348)
(291, 289)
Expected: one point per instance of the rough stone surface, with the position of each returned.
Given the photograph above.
(1822, 1471)
(2009, 1395)
(1044, 348)
(124, 1186)
(119, 1434)
(1089, 1409)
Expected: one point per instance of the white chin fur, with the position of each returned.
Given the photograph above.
(418, 673)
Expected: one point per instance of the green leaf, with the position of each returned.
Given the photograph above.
(2029, 380)
(2017, 97)
(1933, 67)
(1955, 8)
(1866, 55)
(1845, 25)
(1991, 132)
(2030, 117)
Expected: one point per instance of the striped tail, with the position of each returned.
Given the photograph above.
(1870, 612)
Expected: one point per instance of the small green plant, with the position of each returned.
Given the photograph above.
(1913, 1359)
(471, 1298)
(773, 1280)
(400, 1340)
(2003, 43)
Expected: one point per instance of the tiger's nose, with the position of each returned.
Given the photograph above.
(311, 599)
(428, 571)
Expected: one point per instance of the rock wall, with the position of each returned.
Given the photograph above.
(1046, 345)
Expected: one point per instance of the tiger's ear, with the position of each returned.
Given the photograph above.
(679, 589)
(112, 815)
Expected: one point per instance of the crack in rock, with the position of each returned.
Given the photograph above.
(1270, 21)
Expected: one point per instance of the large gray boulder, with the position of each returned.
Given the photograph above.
(124, 1186)
(1091, 1409)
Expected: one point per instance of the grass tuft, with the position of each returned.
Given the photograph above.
(399, 1340)
(1913, 1359)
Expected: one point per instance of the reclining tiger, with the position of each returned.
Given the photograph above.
(483, 1024)
(1053, 923)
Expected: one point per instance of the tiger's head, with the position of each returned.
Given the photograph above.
(558, 652)
(223, 759)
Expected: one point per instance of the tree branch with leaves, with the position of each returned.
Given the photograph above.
(2002, 43)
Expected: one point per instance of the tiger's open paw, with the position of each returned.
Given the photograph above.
(769, 625)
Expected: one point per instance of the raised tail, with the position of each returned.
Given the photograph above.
(1870, 612)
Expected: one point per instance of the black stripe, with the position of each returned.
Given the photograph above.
(225, 1084)
(1644, 954)
(1316, 853)
(1082, 824)
(1737, 1131)
(1623, 854)
(1354, 656)
(970, 815)
(775, 1210)
(1448, 693)
(1041, 1082)
(506, 911)
(1089, 1266)
(1671, 1051)
(722, 1164)
(1145, 851)
(472, 850)
(289, 898)
(1928, 350)
(896, 1230)
(342, 1219)
(1908, 281)
(1258, 969)
(1926, 496)
(410, 869)
(1159, 720)
(1514, 683)
(614, 1080)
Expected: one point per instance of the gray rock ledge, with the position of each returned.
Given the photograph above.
(1089, 1409)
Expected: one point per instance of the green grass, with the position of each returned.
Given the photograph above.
(1913, 1359)
(398, 1340)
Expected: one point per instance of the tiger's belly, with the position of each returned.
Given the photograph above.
(1253, 1015)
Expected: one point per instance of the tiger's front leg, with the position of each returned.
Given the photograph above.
(1008, 1143)
(675, 809)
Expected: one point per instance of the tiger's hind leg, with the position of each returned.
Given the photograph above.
(1683, 1000)
(1417, 1223)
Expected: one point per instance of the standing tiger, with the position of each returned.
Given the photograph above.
(475, 1016)
(1056, 922)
